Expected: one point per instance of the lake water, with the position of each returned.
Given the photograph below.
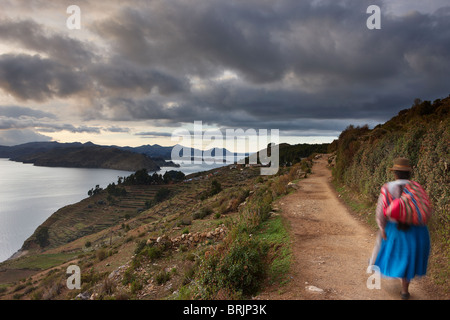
(30, 194)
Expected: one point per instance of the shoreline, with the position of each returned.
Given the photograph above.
(21, 252)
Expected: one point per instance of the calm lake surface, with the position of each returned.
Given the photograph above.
(30, 194)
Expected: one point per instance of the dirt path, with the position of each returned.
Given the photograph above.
(331, 248)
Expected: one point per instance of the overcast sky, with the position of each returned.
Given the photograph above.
(138, 70)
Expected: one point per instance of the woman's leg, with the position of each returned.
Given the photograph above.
(405, 287)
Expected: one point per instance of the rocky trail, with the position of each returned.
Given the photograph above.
(331, 248)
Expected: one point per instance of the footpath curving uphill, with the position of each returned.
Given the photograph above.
(331, 248)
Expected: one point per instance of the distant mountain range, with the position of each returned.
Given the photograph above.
(89, 155)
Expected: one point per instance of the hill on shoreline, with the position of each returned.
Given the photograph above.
(87, 156)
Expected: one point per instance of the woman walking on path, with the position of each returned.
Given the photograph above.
(405, 244)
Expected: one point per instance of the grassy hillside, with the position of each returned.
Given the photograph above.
(422, 134)
(212, 236)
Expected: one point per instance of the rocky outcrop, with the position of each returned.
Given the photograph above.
(189, 239)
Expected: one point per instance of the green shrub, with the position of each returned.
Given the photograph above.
(91, 277)
(136, 286)
(149, 204)
(19, 287)
(17, 296)
(128, 277)
(162, 277)
(140, 246)
(243, 267)
(188, 275)
(202, 213)
(101, 254)
(215, 188)
(42, 237)
(153, 253)
(37, 295)
(240, 269)
(108, 287)
(161, 195)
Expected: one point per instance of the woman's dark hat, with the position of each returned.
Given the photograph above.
(401, 164)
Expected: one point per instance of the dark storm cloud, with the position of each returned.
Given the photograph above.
(23, 120)
(35, 78)
(252, 107)
(343, 70)
(116, 129)
(80, 61)
(33, 36)
(261, 40)
(121, 75)
(46, 127)
(199, 37)
(299, 65)
(18, 111)
(43, 125)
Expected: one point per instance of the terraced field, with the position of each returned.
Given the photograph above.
(102, 220)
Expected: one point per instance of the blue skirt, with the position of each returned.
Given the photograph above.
(404, 254)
